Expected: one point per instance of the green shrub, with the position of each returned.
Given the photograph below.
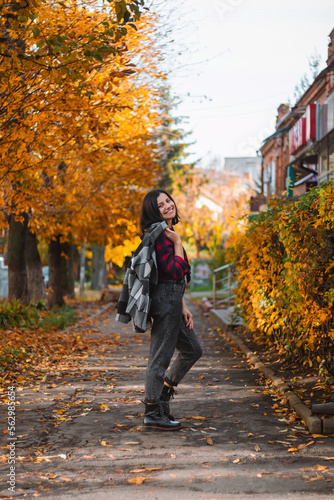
(15, 315)
(59, 318)
(9, 355)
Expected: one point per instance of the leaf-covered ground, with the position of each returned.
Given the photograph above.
(36, 346)
(79, 434)
(303, 379)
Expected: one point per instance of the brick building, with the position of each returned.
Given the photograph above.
(300, 153)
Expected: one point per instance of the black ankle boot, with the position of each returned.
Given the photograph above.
(166, 395)
(156, 420)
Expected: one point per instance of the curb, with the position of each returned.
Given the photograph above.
(314, 424)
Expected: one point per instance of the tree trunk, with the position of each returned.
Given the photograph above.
(55, 295)
(17, 275)
(70, 273)
(67, 270)
(82, 269)
(36, 287)
(198, 248)
(99, 272)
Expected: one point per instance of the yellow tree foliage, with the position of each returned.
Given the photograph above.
(117, 254)
(285, 272)
(210, 203)
(78, 104)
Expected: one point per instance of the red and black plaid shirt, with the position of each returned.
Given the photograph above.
(170, 267)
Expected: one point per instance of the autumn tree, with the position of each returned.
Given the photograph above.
(211, 203)
(67, 161)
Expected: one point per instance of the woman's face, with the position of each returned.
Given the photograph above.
(166, 207)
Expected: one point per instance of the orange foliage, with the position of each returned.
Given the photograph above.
(285, 264)
(79, 93)
(211, 203)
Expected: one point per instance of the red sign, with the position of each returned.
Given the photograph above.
(310, 122)
(303, 131)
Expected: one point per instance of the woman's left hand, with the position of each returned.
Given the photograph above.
(188, 318)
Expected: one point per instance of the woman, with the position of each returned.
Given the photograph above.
(172, 321)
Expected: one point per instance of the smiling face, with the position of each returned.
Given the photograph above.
(167, 208)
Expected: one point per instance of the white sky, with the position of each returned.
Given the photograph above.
(245, 56)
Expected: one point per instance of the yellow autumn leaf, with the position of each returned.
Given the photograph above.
(104, 443)
(137, 480)
(302, 446)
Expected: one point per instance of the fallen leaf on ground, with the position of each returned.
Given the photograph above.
(302, 446)
(257, 447)
(317, 467)
(103, 443)
(209, 441)
(311, 479)
(137, 480)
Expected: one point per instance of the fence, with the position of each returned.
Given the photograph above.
(223, 283)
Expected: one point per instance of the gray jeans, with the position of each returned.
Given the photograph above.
(169, 332)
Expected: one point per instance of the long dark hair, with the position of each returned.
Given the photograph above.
(150, 212)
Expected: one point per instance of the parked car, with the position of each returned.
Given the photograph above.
(3, 278)
(45, 270)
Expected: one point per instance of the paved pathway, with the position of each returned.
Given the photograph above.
(233, 444)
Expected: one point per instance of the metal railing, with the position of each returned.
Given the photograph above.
(223, 286)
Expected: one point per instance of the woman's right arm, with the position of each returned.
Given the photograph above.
(172, 235)
(170, 259)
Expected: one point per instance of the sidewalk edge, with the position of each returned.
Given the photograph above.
(313, 423)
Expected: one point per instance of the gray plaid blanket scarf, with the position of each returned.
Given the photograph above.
(135, 300)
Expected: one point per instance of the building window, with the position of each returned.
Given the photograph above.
(273, 177)
(323, 164)
(331, 167)
(326, 157)
(269, 179)
(323, 167)
(326, 170)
